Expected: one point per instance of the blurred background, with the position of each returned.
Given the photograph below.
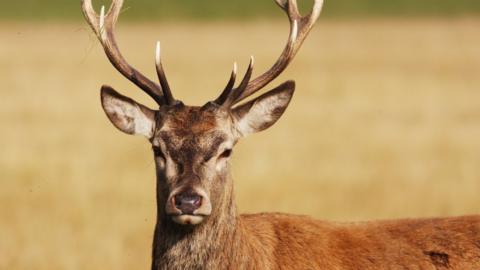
(385, 122)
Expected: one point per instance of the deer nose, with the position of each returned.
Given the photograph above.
(188, 202)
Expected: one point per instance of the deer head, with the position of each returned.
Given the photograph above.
(193, 144)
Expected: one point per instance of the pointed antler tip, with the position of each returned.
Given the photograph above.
(317, 9)
(158, 53)
(235, 67)
(102, 16)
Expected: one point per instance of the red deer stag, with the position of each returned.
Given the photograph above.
(197, 222)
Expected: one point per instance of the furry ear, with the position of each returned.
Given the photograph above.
(126, 114)
(263, 111)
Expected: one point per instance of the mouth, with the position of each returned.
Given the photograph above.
(188, 219)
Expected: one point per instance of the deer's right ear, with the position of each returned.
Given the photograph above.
(126, 114)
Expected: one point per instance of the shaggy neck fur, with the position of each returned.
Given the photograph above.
(209, 245)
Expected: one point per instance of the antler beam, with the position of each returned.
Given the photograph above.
(103, 26)
(299, 29)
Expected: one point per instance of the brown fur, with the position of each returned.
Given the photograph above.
(226, 240)
(280, 241)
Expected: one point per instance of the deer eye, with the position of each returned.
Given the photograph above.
(158, 152)
(226, 154)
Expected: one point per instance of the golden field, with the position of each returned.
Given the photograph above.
(385, 123)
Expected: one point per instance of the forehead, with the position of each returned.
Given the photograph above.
(194, 126)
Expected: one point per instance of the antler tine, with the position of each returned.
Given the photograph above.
(237, 92)
(103, 26)
(167, 93)
(246, 79)
(228, 89)
(299, 30)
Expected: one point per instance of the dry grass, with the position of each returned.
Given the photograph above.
(385, 124)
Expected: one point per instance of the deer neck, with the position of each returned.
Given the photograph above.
(208, 245)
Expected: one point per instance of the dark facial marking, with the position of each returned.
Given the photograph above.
(157, 151)
(216, 141)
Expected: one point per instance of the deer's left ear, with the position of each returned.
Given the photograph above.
(126, 114)
(263, 111)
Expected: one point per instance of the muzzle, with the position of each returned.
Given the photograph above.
(188, 206)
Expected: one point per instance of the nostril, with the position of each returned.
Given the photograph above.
(187, 199)
(188, 202)
(178, 201)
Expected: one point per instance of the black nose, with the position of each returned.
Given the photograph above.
(188, 202)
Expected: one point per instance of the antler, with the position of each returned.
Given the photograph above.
(103, 26)
(167, 93)
(230, 95)
(299, 30)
